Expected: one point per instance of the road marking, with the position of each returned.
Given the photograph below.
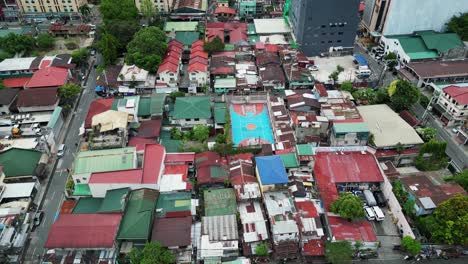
(53, 194)
(34, 251)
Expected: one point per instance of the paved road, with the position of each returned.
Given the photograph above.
(55, 193)
(456, 152)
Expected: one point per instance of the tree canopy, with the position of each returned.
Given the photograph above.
(147, 48)
(214, 46)
(148, 10)
(123, 30)
(108, 46)
(403, 95)
(118, 9)
(153, 252)
(68, 94)
(366, 96)
(338, 252)
(459, 25)
(460, 178)
(85, 10)
(45, 41)
(348, 206)
(201, 133)
(427, 133)
(410, 245)
(432, 156)
(79, 56)
(262, 249)
(449, 221)
(347, 86)
(13, 43)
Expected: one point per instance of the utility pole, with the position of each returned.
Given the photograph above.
(429, 107)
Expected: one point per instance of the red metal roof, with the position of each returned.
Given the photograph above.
(259, 45)
(140, 143)
(97, 107)
(178, 169)
(83, 231)
(48, 77)
(152, 162)
(67, 206)
(198, 43)
(459, 93)
(37, 97)
(176, 43)
(201, 54)
(321, 89)
(44, 64)
(342, 167)
(150, 129)
(16, 82)
(168, 66)
(172, 232)
(314, 247)
(133, 176)
(307, 209)
(197, 66)
(409, 118)
(225, 10)
(180, 157)
(237, 35)
(342, 229)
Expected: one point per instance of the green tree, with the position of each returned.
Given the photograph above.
(410, 245)
(108, 45)
(404, 96)
(424, 101)
(85, 11)
(365, 96)
(449, 221)
(118, 9)
(391, 59)
(459, 24)
(348, 206)
(45, 41)
(432, 156)
(153, 252)
(123, 30)
(338, 252)
(339, 68)
(68, 94)
(13, 43)
(427, 133)
(262, 249)
(399, 191)
(176, 133)
(79, 56)
(334, 76)
(176, 94)
(381, 97)
(148, 10)
(214, 46)
(4, 55)
(201, 133)
(2, 85)
(347, 86)
(220, 139)
(147, 49)
(460, 178)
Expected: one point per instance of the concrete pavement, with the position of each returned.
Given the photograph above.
(454, 150)
(55, 193)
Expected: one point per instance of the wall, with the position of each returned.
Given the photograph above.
(201, 78)
(98, 190)
(316, 24)
(457, 112)
(38, 108)
(191, 122)
(393, 45)
(166, 77)
(54, 5)
(162, 6)
(421, 15)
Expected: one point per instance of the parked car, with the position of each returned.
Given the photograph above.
(361, 196)
(379, 197)
(38, 218)
(370, 198)
(61, 150)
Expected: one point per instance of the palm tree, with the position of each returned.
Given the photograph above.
(85, 10)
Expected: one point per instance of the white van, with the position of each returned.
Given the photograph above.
(379, 215)
(370, 215)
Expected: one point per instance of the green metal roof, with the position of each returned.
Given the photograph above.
(171, 145)
(180, 26)
(55, 116)
(157, 103)
(414, 46)
(187, 38)
(144, 108)
(341, 128)
(219, 111)
(81, 190)
(173, 203)
(219, 171)
(105, 160)
(441, 41)
(19, 162)
(220, 202)
(114, 201)
(87, 205)
(138, 217)
(192, 107)
(290, 160)
(304, 150)
(251, 29)
(17, 31)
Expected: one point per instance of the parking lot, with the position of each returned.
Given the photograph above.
(388, 235)
(328, 65)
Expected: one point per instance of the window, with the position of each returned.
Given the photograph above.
(188, 119)
(330, 41)
(197, 119)
(339, 41)
(323, 26)
(340, 33)
(78, 181)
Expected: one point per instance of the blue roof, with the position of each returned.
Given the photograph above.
(271, 170)
(360, 59)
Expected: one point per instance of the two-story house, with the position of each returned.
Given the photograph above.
(349, 134)
(453, 105)
(191, 111)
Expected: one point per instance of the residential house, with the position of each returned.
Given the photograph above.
(135, 227)
(219, 115)
(17, 67)
(185, 32)
(284, 230)
(21, 69)
(191, 111)
(168, 71)
(193, 9)
(7, 98)
(150, 129)
(70, 31)
(344, 230)
(176, 234)
(225, 12)
(452, 105)
(198, 66)
(271, 173)
(233, 32)
(48, 77)
(129, 105)
(425, 73)
(14, 168)
(311, 229)
(162, 6)
(302, 101)
(219, 237)
(212, 169)
(175, 179)
(349, 134)
(426, 194)
(251, 8)
(254, 229)
(243, 180)
(97, 106)
(114, 201)
(220, 202)
(175, 205)
(134, 78)
(309, 127)
(109, 130)
(247, 76)
(36, 100)
(271, 74)
(224, 85)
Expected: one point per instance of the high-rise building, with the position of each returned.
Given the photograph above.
(50, 6)
(163, 6)
(320, 25)
(397, 17)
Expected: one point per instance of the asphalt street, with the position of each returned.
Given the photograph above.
(55, 192)
(456, 152)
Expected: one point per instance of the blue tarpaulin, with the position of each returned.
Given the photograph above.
(271, 170)
(99, 89)
(360, 59)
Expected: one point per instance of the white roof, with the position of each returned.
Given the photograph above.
(16, 64)
(18, 190)
(128, 71)
(253, 223)
(277, 203)
(276, 39)
(215, 249)
(285, 227)
(387, 127)
(271, 26)
(427, 203)
(172, 182)
(110, 120)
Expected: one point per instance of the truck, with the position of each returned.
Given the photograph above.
(370, 198)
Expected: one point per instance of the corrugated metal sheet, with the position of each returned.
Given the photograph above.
(220, 228)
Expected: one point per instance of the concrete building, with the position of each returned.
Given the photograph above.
(349, 134)
(453, 105)
(250, 8)
(49, 7)
(324, 26)
(161, 5)
(384, 17)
